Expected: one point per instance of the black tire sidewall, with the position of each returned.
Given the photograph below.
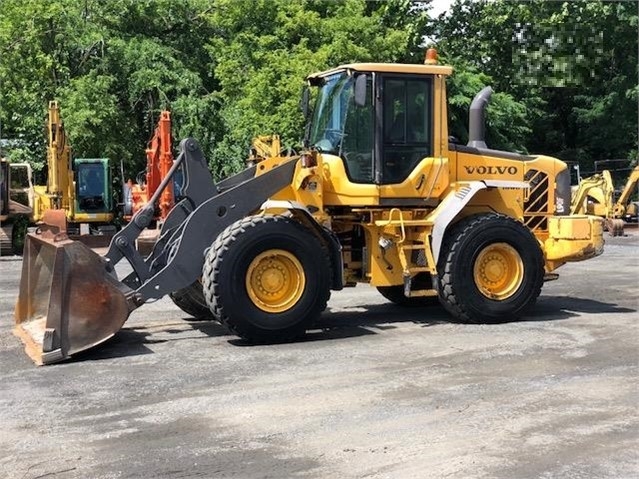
(285, 235)
(476, 304)
(191, 300)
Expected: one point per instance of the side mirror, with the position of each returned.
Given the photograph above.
(304, 101)
(360, 90)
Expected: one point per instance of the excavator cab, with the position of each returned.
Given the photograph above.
(93, 185)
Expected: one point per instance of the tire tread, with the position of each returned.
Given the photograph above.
(451, 248)
(211, 270)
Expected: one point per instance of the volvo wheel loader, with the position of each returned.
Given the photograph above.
(378, 195)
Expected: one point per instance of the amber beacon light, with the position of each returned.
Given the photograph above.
(431, 57)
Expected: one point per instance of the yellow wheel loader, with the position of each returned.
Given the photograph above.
(377, 195)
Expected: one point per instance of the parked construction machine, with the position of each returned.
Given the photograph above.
(136, 195)
(16, 205)
(263, 147)
(80, 189)
(159, 160)
(624, 207)
(378, 195)
(595, 195)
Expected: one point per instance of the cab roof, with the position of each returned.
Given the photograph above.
(405, 68)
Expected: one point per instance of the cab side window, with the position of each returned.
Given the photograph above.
(407, 130)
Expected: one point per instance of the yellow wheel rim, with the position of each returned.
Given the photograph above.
(498, 271)
(275, 281)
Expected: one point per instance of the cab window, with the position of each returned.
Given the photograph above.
(407, 129)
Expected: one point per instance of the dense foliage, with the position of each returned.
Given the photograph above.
(565, 72)
(573, 65)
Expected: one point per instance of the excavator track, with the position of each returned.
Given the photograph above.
(6, 240)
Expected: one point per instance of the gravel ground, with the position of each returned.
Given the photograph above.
(378, 392)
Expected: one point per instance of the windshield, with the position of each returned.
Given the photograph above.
(91, 179)
(327, 124)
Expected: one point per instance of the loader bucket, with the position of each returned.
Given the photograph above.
(68, 301)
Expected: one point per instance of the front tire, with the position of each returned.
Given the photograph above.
(491, 270)
(267, 278)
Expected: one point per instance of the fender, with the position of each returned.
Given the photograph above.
(327, 236)
(455, 201)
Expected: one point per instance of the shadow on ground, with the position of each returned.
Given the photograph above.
(133, 341)
(351, 322)
(550, 308)
(339, 323)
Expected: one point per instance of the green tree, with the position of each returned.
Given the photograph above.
(113, 66)
(572, 64)
(264, 49)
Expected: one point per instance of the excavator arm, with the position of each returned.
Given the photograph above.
(159, 160)
(619, 208)
(59, 191)
(598, 187)
(595, 196)
(264, 146)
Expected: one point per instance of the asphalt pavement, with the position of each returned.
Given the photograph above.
(378, 391)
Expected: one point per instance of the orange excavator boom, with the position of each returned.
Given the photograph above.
(159, 159)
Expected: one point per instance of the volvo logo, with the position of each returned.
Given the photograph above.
(491, 170)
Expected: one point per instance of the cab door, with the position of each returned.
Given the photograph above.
(406, 167)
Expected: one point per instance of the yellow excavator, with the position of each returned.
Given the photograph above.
(79, 190)
(623, 207)
(595, 196)
(263, 147)
(377, 195)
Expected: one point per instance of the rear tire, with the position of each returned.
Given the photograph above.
(267, 278)
(191, 300)
(491, 270)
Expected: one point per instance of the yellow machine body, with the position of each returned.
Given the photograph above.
(526, 192)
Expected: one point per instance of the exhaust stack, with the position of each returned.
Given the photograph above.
(477, 119)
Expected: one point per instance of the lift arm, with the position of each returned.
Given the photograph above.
(193, 224)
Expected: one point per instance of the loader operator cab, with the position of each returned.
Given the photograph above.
(379, 123)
